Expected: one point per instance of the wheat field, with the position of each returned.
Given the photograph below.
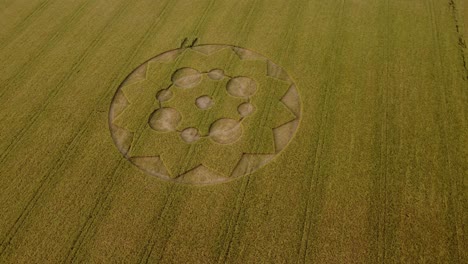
(249, 131)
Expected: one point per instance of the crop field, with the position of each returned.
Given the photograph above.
(248, 131)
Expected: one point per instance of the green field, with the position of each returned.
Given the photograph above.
(249, 131)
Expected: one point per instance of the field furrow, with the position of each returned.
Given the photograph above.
(23, 23)
(34, 60)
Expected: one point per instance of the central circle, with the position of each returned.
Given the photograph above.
(204, 102)
(190, 135)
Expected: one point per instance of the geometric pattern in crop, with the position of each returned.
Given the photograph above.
(204, 114)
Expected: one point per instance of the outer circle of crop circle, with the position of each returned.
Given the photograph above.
(276, 79)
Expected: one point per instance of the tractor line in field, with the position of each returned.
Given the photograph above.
(148, 248)
(28, 20)
(158, 220)
(39, 191)
(383, 164)
(381, 187)
(296, 15)
(61, 84)
(82, 233)
(241, 194)
(240, 202)
(43, 184)
(461, 40)
(2, 157)
(108, 184)
(452, 215)
(35, 61)
(316, 184)
(23, 131)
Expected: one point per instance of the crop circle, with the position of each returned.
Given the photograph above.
(164, 119)
(190, 135)
(245, 109)
(205, 114)
(226, 131)
(204, 102)
(186, 78)
(241, 87)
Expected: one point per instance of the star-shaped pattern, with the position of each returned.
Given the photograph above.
(177, 155)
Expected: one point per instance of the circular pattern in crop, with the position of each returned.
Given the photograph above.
(204, 114)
